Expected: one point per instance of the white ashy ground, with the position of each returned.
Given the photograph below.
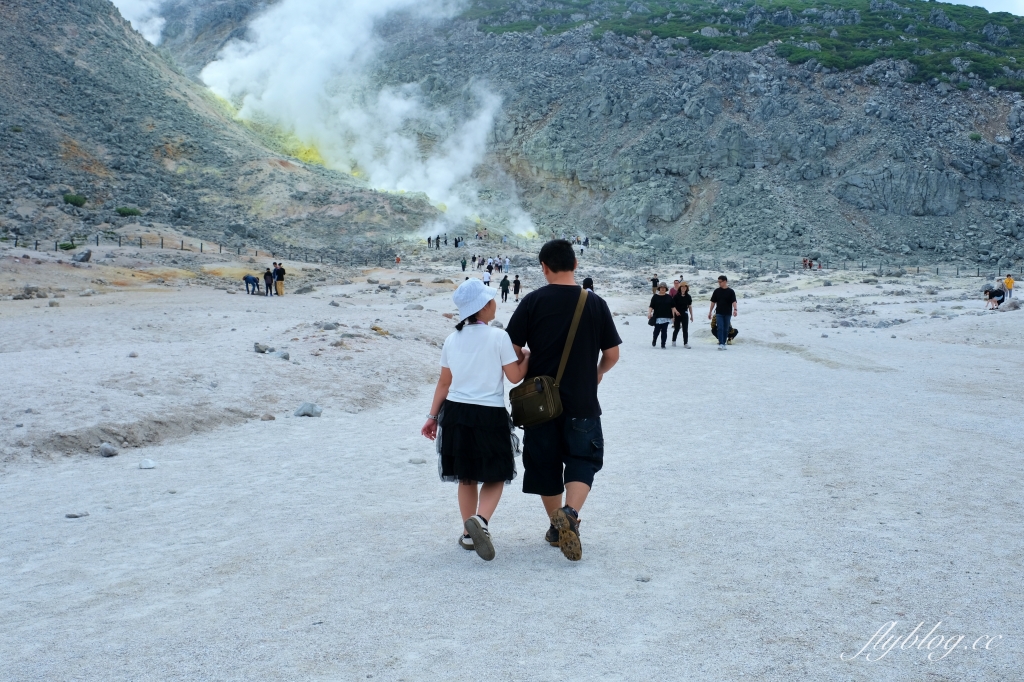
(761, 511)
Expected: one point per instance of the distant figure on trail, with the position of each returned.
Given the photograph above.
(725, 299)
(659, 312)
(398, 261)
(429, 243)
(516, 286)
(487, 277)
(682, 311)
(1008, 283)
(268, 282)
(463, 263)
(437, 242)
(995, 298)
(654, 284)
(251, 282)
(446, 239)
(504, 285)
(474, 260)
(474, 437)
(508, 264)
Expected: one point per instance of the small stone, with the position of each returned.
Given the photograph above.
(305, 289)
(107, 450)
(308, 410)
(172, 492)
(625, 322)
(105, 408)
(232, 291)
(260, 348)
(414, 306)
(147, 464)
(18, 425)
(77, 515)
(417, 460)
(824, 336)
(54, 304)
(329, 326)
(334, 303)
(372, 281)
(133, 354)
(283, 355)
(827, 283)
(893, 336)
(643, 578)
(267, 418)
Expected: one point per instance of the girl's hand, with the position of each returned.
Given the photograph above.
(429, 429)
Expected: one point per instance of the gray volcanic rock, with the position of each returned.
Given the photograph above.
(90, 108)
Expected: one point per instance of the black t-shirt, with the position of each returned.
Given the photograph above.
(280, 274)
(654, 282)
(682, 303)
(541, 323)
(515, 285)
(724, 298)
(996, 294)
(662, 305)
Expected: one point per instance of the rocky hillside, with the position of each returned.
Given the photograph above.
(91, 111)
(853, 130)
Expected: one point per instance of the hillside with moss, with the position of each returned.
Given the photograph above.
(967, 46)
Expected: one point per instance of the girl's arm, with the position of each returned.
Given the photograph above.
(515, 371)
(444, 382)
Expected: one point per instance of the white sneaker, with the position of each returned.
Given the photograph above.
(477, 529)
(466, 542)
(686, 345)
(721, 347)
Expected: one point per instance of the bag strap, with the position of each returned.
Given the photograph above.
(572, 335)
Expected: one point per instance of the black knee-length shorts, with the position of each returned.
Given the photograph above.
(561, 451)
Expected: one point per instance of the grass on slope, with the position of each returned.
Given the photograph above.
(941, 40)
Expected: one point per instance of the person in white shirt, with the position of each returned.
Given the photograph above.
(508, 263)
(487, 278)
(468, 420)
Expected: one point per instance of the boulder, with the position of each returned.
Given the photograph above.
(108, 450)
(305, 289)
(329, 326)
(82, 257)
(309, 410)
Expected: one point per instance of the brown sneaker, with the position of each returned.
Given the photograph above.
(567, 522)
(551, 537)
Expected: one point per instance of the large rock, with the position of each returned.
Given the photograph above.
(309, 410)
(82, 257)
(108, 450)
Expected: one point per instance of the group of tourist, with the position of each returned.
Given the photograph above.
(675, 306)
(1003, 291)
(273, 281)
(473, 432)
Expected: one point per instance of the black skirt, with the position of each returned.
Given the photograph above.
(475, 443)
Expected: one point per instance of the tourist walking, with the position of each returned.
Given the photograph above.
(682, 313)
(563, 455)
(504, 285)
(268, 282)
(659, 314)
(474, 438)
(252, 284)
(654, 284)
(474, 261)
(1008, 283)
(725, 299)
(588, 284)
(463, 263)
(487, 277)
(516, 286)
(508, 264)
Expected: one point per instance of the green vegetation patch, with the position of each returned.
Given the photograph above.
(75, 200)
(125, 211)
(66, 246)
(943, 41)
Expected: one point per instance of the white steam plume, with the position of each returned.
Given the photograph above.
(144, 16)
(304, 67)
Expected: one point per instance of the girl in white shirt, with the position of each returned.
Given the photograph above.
(468, 419)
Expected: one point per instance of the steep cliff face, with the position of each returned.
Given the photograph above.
(90, 108)
(635, 138)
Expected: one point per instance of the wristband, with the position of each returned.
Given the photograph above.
(432, 416)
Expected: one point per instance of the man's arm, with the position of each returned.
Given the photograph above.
(609, 357)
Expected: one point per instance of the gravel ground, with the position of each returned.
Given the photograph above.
(761, 512)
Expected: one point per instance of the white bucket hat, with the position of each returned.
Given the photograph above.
(471, 296)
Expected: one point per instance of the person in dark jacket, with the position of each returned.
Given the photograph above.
(682, 313)
(268, 283)
(660, 311)
(279, 279)
(252, 284)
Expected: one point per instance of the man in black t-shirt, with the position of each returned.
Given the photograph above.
(725, 299)
(562, 455)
